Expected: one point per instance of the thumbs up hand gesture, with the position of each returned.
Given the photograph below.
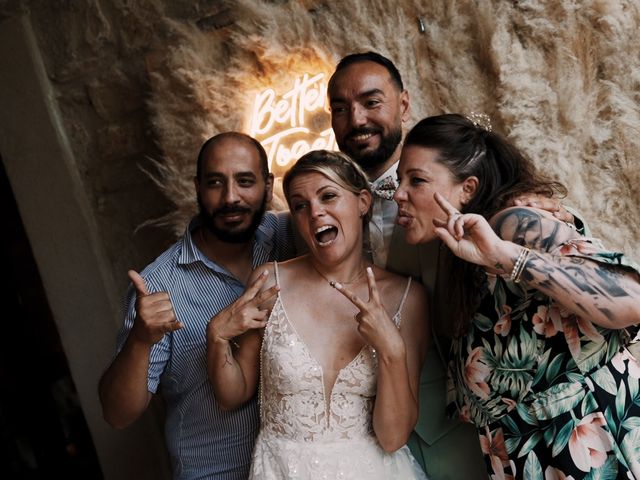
(154, 313)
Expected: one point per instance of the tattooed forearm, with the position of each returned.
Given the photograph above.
(609, 280)
(602, 293)
(529, 228)
(520, 225)
(591, 278)
(606, 312)
(550, 279)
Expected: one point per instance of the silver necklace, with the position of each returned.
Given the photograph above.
(356, 278)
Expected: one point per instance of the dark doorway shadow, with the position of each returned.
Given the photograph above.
(43, 432)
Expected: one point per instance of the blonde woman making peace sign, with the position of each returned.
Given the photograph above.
(332, 344)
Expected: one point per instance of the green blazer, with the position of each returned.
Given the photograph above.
(420, 261)
(447, 449)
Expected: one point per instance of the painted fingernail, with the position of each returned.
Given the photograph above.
(337, 285)
(369, 270)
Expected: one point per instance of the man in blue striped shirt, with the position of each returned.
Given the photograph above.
(162, 344)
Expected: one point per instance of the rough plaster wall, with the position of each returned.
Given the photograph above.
(142, 83)
(94, 54)
(561, 79)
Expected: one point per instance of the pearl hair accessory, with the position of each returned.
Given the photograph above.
(480, 120)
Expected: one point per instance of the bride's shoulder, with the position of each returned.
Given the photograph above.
(394, 285)
(293, 265)
(291, 271)
(405, 293)
(263, 269)
(388, 277)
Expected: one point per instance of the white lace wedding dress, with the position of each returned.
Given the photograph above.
(302, 436)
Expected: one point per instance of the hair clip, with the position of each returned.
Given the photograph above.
(480, 120)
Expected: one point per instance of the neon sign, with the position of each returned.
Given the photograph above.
(293, 123)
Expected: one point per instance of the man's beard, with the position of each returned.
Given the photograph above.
(231, 235)
(369, 160)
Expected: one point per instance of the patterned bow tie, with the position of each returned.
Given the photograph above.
(385, 188)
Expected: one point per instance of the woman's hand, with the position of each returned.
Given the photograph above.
(606, 294)
(374, 324)
(400, 354)
(470, 237)
(233, 373)
(244, 314)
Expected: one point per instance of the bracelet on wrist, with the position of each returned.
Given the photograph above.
(518, 267)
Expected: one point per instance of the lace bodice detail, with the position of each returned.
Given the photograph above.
(293, 401)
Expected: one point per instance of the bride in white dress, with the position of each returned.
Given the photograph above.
(337, 374)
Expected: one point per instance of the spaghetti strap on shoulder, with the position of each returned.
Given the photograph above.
(275, 269)
(397, 318)
(404, 296)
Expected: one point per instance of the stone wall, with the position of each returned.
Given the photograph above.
(150, 79)
(561, 80)
(95, 53)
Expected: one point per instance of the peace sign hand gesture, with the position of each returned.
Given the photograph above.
(374, 324)
(244, 314)
(154, 312)
(470, 237)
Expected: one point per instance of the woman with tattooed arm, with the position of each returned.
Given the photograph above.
(541, 315)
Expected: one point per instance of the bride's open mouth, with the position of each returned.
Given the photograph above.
(326, 235)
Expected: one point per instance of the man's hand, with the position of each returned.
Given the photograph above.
(154, 313)
(551, 205)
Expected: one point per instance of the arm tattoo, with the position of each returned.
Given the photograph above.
(609, 280)
(598, 280)
(227, 357)
(529, 228)
(586, 286)
(577, 275)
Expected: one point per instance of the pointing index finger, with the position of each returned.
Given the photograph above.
(374, 296)
(253, 290)
(352, 297)
(444, 204)
(265, 295)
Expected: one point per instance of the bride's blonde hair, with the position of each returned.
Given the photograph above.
(336, 166)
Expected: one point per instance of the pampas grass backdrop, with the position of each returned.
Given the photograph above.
(559, 78)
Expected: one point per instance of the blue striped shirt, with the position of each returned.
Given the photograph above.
(204, 442)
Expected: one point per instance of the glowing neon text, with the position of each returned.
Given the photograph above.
(282, 123)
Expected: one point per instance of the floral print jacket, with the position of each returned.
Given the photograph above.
(552, 394)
